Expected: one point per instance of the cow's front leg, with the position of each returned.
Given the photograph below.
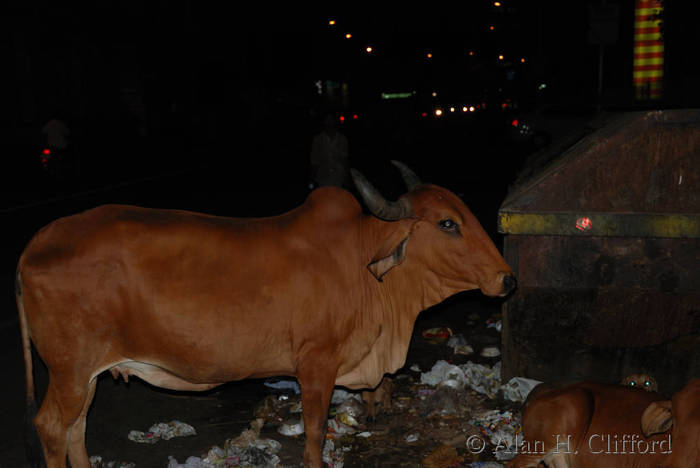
(317, 383)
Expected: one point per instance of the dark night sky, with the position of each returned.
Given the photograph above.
(214, 75)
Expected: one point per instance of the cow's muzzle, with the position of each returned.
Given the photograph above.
(509, 284)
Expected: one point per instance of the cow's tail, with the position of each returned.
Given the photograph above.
(35, 454)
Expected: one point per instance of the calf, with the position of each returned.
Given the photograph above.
(379, 397)
(599, 425)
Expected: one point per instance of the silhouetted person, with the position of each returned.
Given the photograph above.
(330, 156)
(56, 133)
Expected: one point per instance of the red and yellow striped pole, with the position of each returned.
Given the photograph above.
(648, 64)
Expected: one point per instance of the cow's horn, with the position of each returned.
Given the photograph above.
(377, 204)
(409, 177)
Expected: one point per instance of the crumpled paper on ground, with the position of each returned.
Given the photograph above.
(518, 388)
(165, 431)
(480, 378)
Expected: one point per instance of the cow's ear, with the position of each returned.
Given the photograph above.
(657, 418)
(380, 266)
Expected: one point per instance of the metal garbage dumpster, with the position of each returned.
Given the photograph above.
(605, 243)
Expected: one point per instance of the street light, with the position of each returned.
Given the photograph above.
(348, 36)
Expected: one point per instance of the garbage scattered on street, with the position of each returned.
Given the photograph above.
(482, 378)
(248, 450)
(165, 431)
(501, 430)
(459, 345)
(490, 351)
(292, 428)
(96, 462)
(429, 418)
(437, 335)
(496, 324)
(441, 371)
(518, 388)
(333, 456)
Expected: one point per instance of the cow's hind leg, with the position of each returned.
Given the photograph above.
(61, 408)
(77, 453)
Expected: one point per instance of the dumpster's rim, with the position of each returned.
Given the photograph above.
(600, 224)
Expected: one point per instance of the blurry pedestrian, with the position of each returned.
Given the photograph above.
(56, 133)
(330, 156)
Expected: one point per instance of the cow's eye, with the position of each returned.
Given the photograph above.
(632, 384)
(647, 383)
(449, 225)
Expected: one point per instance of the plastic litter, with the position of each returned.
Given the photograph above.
(248, 436)
(518, 388)
(482, 378)
(486, 465)
(364, 434)
(437, 335)
(352, 409)
(415, 368)
(340, 395)
(494, 324)
(292, 385)
(333, 456)
(292, 428)
(96, 462)
(459, 344)
(441, 371)
(490, 351)
(165, 431)
(337, 428)
(245, 450)
(502, 430)
(411, 438)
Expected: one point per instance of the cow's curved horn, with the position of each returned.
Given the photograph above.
(377, 204)
(409, 177)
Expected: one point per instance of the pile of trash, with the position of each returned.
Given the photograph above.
(248, 450)
(165, 431)
(502, 430)
(480, 378)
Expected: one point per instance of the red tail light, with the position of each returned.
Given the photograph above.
(515, 123)
(46, 151)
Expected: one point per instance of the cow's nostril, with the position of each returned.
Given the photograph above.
(509, 283)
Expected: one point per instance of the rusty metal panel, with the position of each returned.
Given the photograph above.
(605, 243)
(640, 162)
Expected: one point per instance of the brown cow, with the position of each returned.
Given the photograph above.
(598, 425)
(188, 301)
